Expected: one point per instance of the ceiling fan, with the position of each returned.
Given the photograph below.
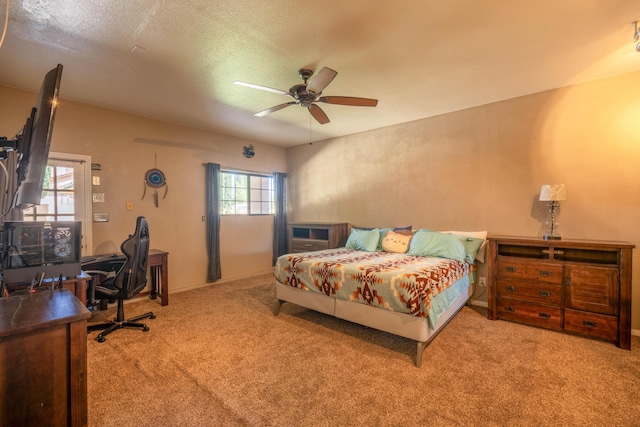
(308, 93)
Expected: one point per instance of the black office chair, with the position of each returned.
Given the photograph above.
(129, 280)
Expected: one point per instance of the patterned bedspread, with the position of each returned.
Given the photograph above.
(397, 282)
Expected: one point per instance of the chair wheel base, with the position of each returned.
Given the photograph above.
(114, 325)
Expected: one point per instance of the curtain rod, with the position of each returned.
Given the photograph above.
(67, 160)
(229, 169)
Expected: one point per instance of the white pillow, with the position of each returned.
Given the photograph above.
(396, 242)
(480, 256)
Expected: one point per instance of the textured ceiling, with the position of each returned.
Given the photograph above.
(177, 60)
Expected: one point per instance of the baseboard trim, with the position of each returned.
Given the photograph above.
(480, 303)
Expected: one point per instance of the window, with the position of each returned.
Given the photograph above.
(57, 203)
(66, 194)
(246, 193)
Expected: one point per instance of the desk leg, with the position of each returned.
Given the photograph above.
(153, 272)
(164, 281)
(160, 282)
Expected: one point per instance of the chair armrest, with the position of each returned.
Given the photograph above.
(97, 277)
(106, 274)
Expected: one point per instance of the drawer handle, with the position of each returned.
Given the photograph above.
(308, 245)
(545, 273)
(509, 309)
(510, 288)
(544, 315)
(589, 323)
(545, 294)
(511, 269)
(567, 282)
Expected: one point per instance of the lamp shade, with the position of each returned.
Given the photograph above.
(553, 192)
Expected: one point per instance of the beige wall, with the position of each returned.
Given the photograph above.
(482, 168)
(126, 147)
(477, 169)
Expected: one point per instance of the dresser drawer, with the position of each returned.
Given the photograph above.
(542, 293)
(591, 324)
(302, 245)
(538, 271)
(529, 313)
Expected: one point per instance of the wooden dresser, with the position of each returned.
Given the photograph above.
(576, 286)
(315, 236)
(43, 360)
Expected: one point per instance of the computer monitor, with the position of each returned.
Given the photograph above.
(30, 248)
(32, 143)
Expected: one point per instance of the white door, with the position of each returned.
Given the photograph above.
(67, 194)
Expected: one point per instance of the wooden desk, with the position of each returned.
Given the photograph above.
(43, 360)
(157, 262)
(77, 285)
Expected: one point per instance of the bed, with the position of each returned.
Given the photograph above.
(405, 283)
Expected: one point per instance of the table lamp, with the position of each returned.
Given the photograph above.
(552, 193)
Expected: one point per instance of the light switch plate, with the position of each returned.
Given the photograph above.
(95, 180)
(100, 217)
(98, 197)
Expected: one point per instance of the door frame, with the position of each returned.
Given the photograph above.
(87, 223)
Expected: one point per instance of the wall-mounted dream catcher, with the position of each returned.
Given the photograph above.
(154, 178)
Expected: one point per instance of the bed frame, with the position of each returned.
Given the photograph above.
(405, 325)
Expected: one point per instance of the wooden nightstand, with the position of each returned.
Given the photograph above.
(315, 236)
(577, 286)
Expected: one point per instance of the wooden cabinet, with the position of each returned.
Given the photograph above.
(577, 286)
(43, 360)
(315, 236)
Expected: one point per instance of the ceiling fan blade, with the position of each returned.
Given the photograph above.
(321, 80)
(255, 86)
(318, 114)
(272, 109)
(349, 100)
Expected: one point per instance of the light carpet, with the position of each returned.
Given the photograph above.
(217, 356)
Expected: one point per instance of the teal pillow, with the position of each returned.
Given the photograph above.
(432, 243)
(471, 247)
(363, 240)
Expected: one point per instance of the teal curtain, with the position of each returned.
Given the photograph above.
(280, 238)
(212, 176)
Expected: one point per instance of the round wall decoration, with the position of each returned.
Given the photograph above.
(155, 179)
